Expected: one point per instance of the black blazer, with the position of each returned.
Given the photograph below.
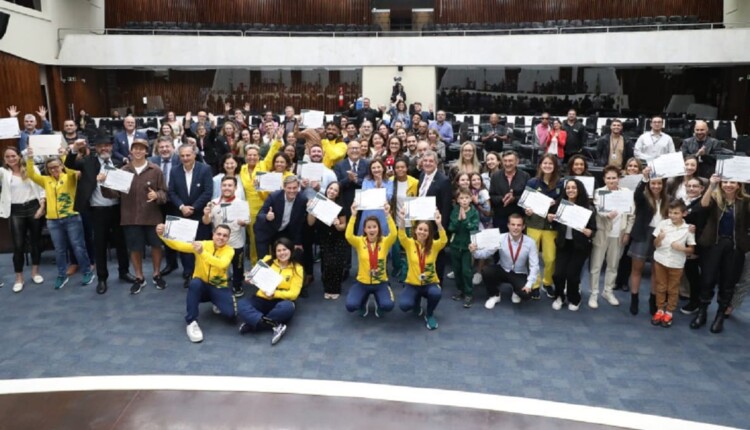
(89, 166)
(348, 187)
(440, 188)
(580, 241)
(199, 194)
(499, 188)
(643, 212)
(265, 230)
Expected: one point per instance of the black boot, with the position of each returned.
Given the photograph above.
(718, 325)
(700, 318)
(634, 303)
(652, 304)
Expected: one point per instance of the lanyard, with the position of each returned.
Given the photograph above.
(373, 253)
(513, 256)
(421, 254)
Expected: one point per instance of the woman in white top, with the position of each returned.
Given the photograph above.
(23, 202)
(228, 166)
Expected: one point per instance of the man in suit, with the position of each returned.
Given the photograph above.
(433, 183)
(506, 187)
(103, 213)
(190, 190)
(282, 215)
(166, 159)
(350, 172)
(123, 140)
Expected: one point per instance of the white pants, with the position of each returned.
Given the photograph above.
(609, 248)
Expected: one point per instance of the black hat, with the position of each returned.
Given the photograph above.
(102, 137)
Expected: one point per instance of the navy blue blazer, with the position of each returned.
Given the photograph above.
(156, 159)
(265, 230)
(348, 187)
(440, 188)
(120, 148)
(200, 192)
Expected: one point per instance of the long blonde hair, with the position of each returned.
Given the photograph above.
(21, 164)
(721, 199)
(474, 161)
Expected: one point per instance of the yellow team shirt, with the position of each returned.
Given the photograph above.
(359, 243)
(211, 265)
(333, 151)
(412, 248)
(60, 193)
(291, 283)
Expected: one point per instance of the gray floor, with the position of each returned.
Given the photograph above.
(602, 358)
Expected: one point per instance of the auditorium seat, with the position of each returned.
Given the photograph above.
(724, 131)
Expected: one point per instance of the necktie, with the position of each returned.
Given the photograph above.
(165, 169)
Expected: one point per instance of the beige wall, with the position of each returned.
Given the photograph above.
(736, 12)
(419, 84)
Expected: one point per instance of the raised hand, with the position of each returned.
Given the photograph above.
(438, 218)
(198, 247)
(13, 111)
(42, 112)
(227, 106)
(188, 116)
(270, 215)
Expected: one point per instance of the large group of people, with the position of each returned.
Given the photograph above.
(692, 228)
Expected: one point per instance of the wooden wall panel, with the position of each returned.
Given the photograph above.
(456, 11)
(117, 12)
(180, 90)
(19, 85)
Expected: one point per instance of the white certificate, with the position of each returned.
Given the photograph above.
(311, 171)
(269, 181)
(324, 209)
(630, 181)
(9, 128)
(572, 215)
(118, 180)
(536, 201)
(668, 165)
(734, 169)
(588, 184)
(313, 118)
(620, 201)
(487, 240)
(372, 199)
(235, 211)
(420, 209)
(180, 229)
(265, 278)
(45, 144)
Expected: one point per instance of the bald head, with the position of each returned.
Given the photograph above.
(494, 119)
(701, 130)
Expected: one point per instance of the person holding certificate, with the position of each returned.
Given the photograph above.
(232, 211)
(248, 176)
(725, 241)
(283, 215)
(421, 278)
(334, 250)
(612, 235)
(274, 311)
(548, 182)
(64, 223)
(633, 167)
(677, 185)
(651, 203)
(573, 248)
(140, 212)
(372, 250)
(209, 282)
(376, 178)
(518, 264)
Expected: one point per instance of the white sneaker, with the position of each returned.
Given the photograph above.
(194, 332)
(215, 309)
(610, 298)
(477, 279)
(37, 279)
(572, 307)
(557, 304)
(515, 298)
(593, 301)
(278, 332)
(17, 287)
(492, 301)
(451, 275)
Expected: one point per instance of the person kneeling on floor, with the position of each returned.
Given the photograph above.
(209, 283)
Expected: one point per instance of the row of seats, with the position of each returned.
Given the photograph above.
(572, 26)
(171, 27)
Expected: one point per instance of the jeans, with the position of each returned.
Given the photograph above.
(68, 232)
(359, 293)
(200, 292)
(254, 308)
(411, 297)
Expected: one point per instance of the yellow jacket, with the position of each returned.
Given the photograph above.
(359, 243)
(247, 177)
(412, 186)
(211, 265)
(412, 258)
(61, 193)
(290, 285)
(333, 151)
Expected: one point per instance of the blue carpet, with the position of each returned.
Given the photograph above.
(604, 358)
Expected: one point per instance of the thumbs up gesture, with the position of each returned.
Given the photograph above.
(151, 196)
(270, 216)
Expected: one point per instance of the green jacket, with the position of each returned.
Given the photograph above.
(462, 229)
